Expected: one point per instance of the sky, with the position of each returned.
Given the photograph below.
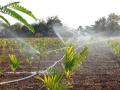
(71, 12)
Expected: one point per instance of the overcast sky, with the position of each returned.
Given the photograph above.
(71, 12)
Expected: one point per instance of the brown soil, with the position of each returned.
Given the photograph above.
(101, 71)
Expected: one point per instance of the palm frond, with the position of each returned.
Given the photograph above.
(16, 16)
(17, 6)
(11, 4)
(3, 18)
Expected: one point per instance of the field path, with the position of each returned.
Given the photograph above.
(101, 71)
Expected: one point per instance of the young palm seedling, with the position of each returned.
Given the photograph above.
(29, 58)
(53, 81)
(115, 45)
(43, 52)
(21, 47)
(14, 62)
(72, 60)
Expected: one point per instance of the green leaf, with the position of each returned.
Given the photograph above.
(14, 62)
(3, 18)
(16, 6)
(16, 16)
(72, 60)
(11, 4)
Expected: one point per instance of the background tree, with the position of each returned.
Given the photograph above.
(100, 24)
(103, 24)
(52, 21)
(112, 23)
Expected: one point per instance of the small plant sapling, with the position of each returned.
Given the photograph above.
(14, 62)
(53, 80)
(115, 45)
(29, 58)
(72, 60)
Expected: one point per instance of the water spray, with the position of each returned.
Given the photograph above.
(82, 40)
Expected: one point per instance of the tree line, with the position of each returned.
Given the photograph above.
(42, 29)
(109, 24)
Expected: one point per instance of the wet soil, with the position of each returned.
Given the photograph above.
(101, 71)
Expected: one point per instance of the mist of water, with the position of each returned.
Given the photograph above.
(28, 49)
(68, 35)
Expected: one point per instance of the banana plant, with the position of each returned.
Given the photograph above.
(72, 60)
(14, 62)
(8, 9)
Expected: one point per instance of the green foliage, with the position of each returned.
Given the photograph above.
(72, 60)
(16, 16)
(29, 58)
(18, 7)
(43, 52)
(14, 62)
(10, 12)
(83, 54)
(115, 45)
(53, 80)
(7, 22)
(108, 25)
(53, 20)
(12, 3)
